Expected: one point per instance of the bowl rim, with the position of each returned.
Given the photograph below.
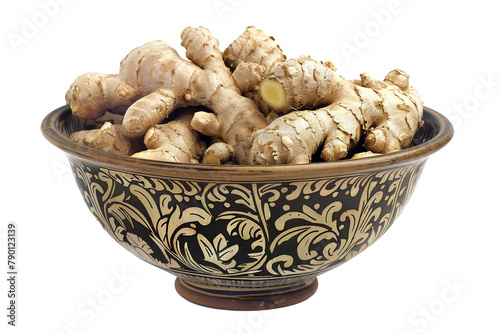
(245, 173)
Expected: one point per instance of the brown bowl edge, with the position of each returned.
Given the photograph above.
(237, 173)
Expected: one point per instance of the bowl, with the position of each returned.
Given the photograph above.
(245, 237)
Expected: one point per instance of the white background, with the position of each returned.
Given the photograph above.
(436, 269)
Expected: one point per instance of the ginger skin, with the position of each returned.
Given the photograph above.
(109, 138)
(297, 84)
(218, 154)
(92, 94)
(388, 112)
(175, 141)
(251, 90)
(253, 46)
(249, 57)
(153, 81)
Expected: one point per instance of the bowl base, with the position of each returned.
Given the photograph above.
(250, 302)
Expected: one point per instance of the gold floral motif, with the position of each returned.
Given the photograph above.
(248, 229)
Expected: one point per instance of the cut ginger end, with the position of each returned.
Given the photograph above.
(212, 159)
(272, 93)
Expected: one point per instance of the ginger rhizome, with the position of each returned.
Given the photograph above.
(249, 57)
(259, 107)
(109, 138)
(175, 141)
(154, 80)
(387, 113)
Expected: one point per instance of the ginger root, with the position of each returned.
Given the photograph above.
(263, 109)
(366, 154)
(175, 141)
(218, 153)
(249, 57)
(254, 47)
(389, 112)
(300, 83)
(154, 80)
(109, 138)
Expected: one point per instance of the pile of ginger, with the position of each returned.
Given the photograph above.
(248, 105)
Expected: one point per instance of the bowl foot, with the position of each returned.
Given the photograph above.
(273, 298)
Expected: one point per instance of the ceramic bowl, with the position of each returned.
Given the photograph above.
(245, 237)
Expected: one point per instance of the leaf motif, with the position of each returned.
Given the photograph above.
(218, 252)
(289, 234)
(228, 253)
(197, 215)
(206, 247)
(307, 237)
(220, 242)
(245, 225)
(309, 215)
(138, 242)
(190, 261)
(165, 204)
(245, 197)
(147, 201)
(272, 190)
(180, 218)
(124, 212)
(281, 221)
(161, 227)
(280, 262)
(240, 195)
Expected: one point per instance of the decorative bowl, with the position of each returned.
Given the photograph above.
(245, 237)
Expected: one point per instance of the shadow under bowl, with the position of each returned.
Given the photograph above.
(245, 237)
